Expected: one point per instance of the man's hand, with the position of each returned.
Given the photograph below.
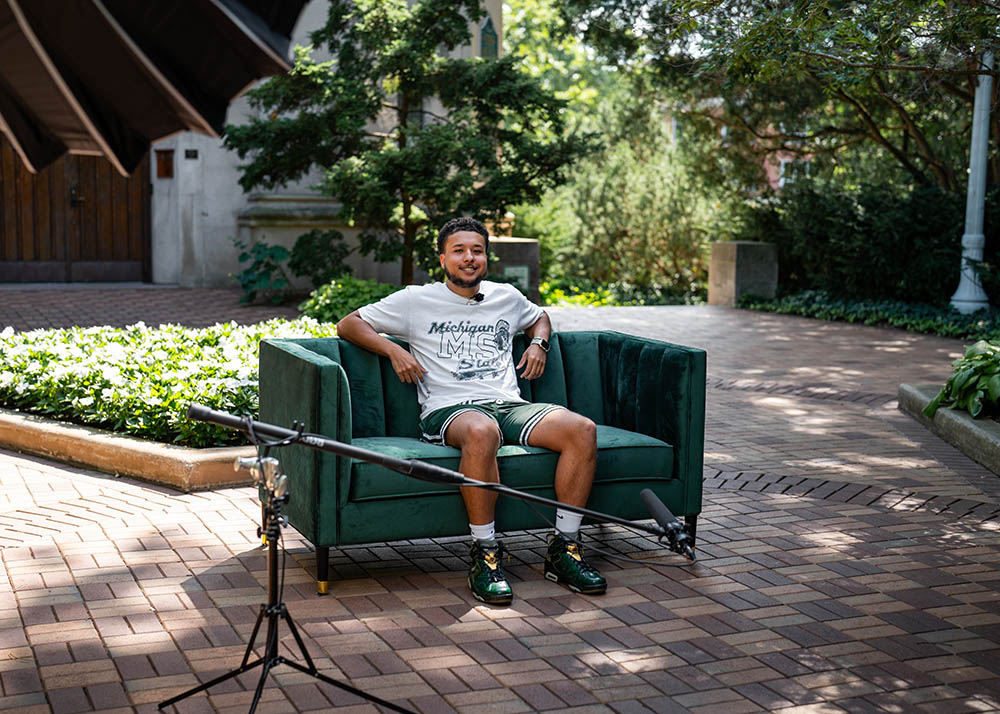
(533, 361)
(406, 366)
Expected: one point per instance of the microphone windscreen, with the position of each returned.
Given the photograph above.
(478, 297)
(660, 513)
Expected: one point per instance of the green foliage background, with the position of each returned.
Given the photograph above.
(638, 211)
(404, 134)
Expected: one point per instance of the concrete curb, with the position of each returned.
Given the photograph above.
(178, 467)
(979, 439)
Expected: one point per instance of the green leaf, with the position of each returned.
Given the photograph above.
(931, 409)
(993, 388)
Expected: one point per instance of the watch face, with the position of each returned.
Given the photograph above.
(541, 342)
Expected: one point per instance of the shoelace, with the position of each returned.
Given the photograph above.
(492, 560)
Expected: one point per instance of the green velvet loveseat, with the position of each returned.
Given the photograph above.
(646, 397)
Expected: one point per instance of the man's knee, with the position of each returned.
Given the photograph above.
(563, 429)
(586, 432)
(483, 434)
(473, 431)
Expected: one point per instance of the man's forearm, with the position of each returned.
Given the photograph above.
(355, 330)
(542, 328)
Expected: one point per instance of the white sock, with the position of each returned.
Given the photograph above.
(568, 523)
(485, 532)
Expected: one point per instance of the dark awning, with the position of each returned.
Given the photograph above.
(109, 77)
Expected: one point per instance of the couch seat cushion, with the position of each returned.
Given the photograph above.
(622, 456)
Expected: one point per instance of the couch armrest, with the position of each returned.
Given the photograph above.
(300, 384)
(658, 388)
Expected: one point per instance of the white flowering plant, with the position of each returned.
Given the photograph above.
(139, 380)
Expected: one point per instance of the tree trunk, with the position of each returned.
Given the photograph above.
(409, 232)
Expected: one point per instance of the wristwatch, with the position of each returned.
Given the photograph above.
(541, 342)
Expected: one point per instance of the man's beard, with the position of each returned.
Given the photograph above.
(464, 282)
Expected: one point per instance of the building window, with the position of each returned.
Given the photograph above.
(792, 170)
(488, 43)
(164, 163)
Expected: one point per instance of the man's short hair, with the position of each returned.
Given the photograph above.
(456, 225)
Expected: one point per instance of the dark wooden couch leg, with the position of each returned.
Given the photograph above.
(691, 526)
(322, 570)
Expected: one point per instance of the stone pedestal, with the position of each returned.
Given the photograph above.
(517, 258)
(742, 268)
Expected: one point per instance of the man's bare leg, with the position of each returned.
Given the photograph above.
(477, 436)
(574, 437)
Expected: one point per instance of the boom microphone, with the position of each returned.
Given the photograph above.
(678, 539)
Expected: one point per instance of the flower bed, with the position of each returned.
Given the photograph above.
(139, 380)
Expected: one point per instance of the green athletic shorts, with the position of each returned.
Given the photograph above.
(514, 420)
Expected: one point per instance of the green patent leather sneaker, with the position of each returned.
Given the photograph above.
(564, 564)
(486, 579)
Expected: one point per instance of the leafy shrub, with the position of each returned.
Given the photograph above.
(927, 319)
(974, 385)
(139, 380)
(863, 243)
(343, 296)
(265, 275)
(319, 255)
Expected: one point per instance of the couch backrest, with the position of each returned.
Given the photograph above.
(381, 405)
(572, 375)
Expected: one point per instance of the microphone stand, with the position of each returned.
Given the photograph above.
(666, 527)
(265, 472)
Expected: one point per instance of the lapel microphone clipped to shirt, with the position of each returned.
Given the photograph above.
(475, 299)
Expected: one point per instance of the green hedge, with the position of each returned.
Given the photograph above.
(927, 319)
(139, 380)
(869, 242)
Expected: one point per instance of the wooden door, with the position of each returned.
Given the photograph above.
(76, 221)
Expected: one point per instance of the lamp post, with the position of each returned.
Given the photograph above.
(970, 295)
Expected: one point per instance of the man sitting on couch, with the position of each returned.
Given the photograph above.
(460, 334)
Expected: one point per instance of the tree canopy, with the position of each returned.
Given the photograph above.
(828, 79)
(405, 133)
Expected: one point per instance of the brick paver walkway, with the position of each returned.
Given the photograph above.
(848, 563)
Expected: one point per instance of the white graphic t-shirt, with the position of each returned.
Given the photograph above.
(464, 345)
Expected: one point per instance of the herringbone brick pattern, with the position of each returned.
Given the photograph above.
(848, 562)
(81, 306)
(794, 601)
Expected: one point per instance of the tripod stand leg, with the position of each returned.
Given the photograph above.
(212, 683)
(228, 675)
(298, 639)
(253, 635)
(270, 657)
(312, 671)
(347, 687)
